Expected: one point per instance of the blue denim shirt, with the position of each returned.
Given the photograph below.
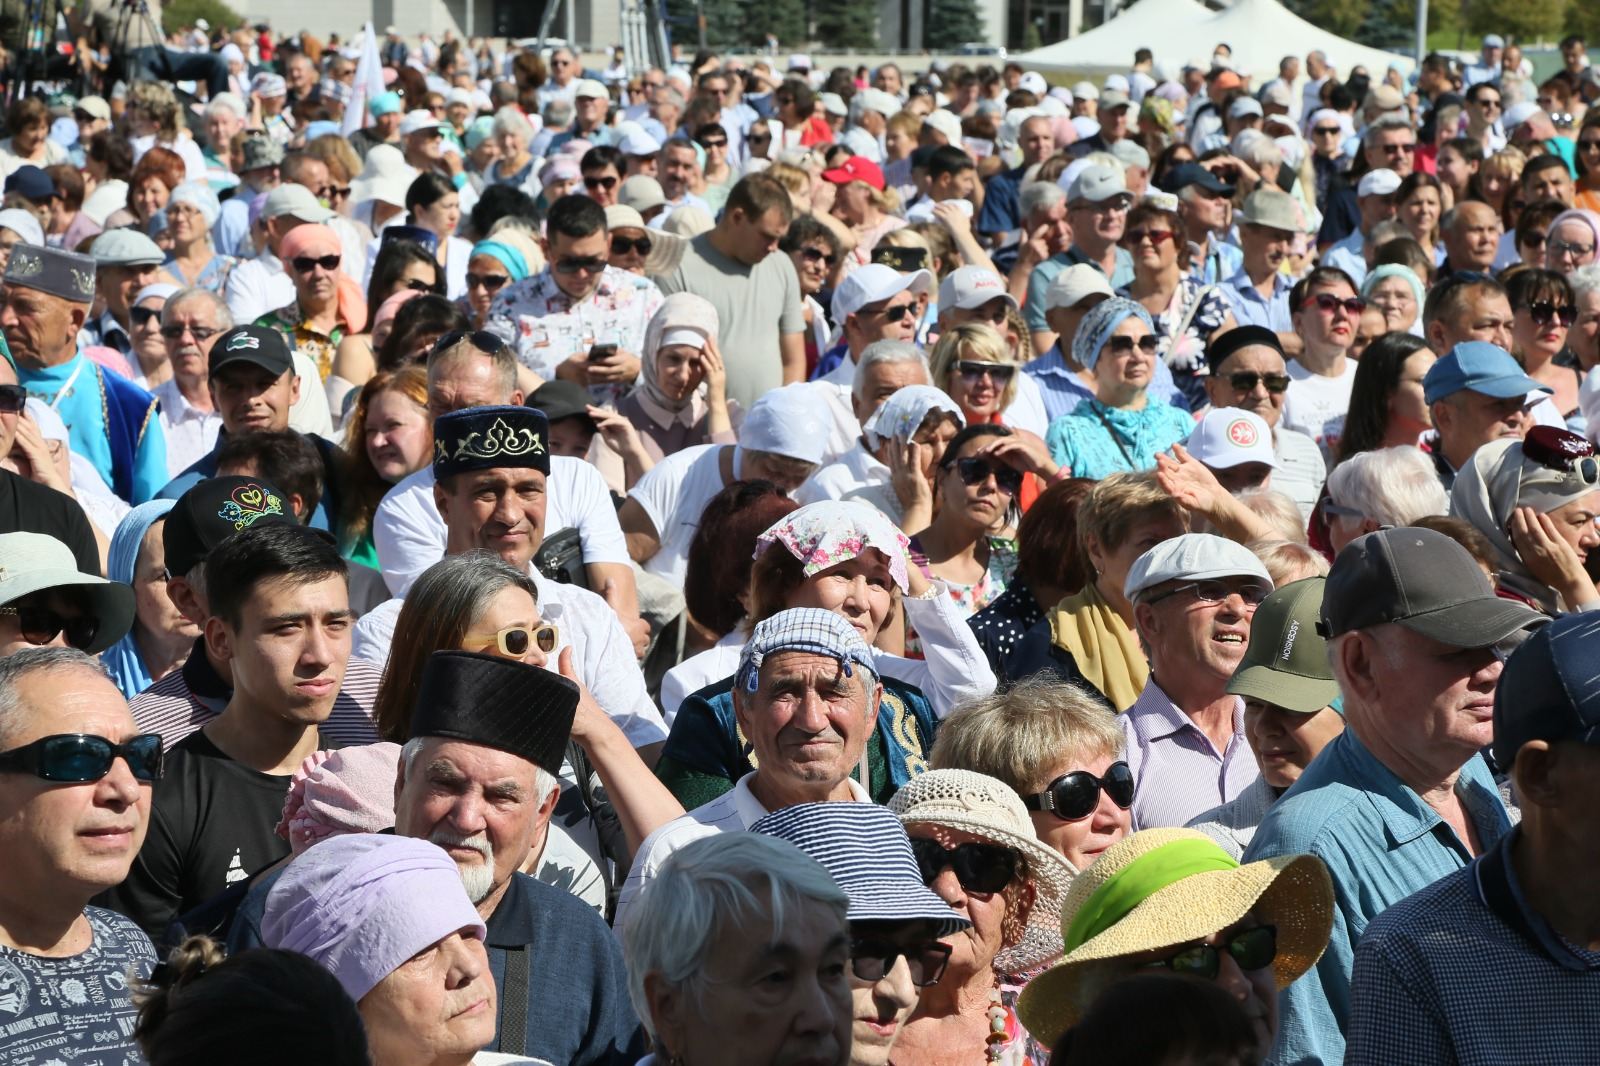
(1381, 843)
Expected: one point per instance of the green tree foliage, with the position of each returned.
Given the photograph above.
(184, 12)
(951, 24)
(1342, 17)
(1521, 20)
(1584, 18)
(845, 23)
(784, 19)
(1031, 38)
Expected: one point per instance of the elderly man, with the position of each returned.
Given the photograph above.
(1487, 68)
(31, 507)
(1249, 370)
(1325, 310)
(45, 307)
(1003, 214)
(1476, 393)
(1387, 144)
(565, 70)
(806, 698)
(1526, 903)
(1375, 200)
(1044, 232)
(1467, 307)
(1097, 209)
(478, 777)
(191, 321)
(1403, 796)
(1193, 598)
(125, 261)
(1471, 233)
(1204, 206)
(870, 111)
(1259, 292)
(75, 783)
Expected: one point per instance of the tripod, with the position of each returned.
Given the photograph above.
(135, 14)
(28, 31)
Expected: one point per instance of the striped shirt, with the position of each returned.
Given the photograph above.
(1178, 772)
(188, 698)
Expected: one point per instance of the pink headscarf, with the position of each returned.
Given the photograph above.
(314, 239)
(350, 790)
(391, 307)
(1577, 214)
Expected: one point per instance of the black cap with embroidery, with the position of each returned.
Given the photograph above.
(257, 345)
(214, 510)
(500, 703)
(480, 438)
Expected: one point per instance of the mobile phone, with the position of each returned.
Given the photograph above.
(600, 353)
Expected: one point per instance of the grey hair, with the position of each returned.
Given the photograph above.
(886, 351)
(707, 891)
(13, 668)
(673, 96)
(557, 113)
(1277, 510)
(511, 120)
(1288, 561)
(545, 783)
(1369, 138)
(1039, 196)
(1391, 486)
(221, 317)
(1584, 280)
(1258, 149)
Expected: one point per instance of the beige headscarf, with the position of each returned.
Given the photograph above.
(680, 315)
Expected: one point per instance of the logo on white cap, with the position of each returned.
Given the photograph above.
(1242, 433)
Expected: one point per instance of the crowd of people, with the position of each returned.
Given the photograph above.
(749, 563)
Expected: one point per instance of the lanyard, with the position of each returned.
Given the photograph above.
(66, 387)
(1115, 438)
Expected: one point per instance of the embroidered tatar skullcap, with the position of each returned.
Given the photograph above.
(804, 629)
(500, 703)
(64, 274)
(481, 438)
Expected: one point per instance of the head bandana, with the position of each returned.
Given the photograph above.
(680, 313)
(508, 256)
(792, 422)
(318, 240)
(804, 629)
(1394, 270)
(824, 534)
(123, 659)
(1098, 325)
(198, 194)
(903, 413)
(349, 790)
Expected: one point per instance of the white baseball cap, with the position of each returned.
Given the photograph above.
(588, 87)
(1070, 287)
(638, 142)
(1380, 182)
(833, 104)
(1033, 82)
(1085, 90)
(874, 100)
(972, 286)
(1228, 437)
(872, 283)
(946, 123)
(417, 121)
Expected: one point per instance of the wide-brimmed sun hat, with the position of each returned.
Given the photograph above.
(1162, 888)
(991, 809)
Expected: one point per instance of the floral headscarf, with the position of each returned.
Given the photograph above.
(823, 534)
(903, 413)
(682, 311)
(1098, 325)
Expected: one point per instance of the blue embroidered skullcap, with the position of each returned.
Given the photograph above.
(481, 438)
(804, 629)
(1098, 325)
(52, 270)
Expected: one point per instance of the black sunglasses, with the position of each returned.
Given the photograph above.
(891, 314)
(1123, 345)
(492, 282)
(590, 182)
(41, 625)
(1246, 381)
(13, 398)
(591, 264)
(973, 369)
(985, 868)
(1252, 949)
(873, 957)
(1534, 239)
(625, 245)
(1545, 312)
(304, 263)
(77, 758)
(481, 339)
(173, 333)
(720, 143)
(142, 316)
(817, 255)
(1074, 796)
(972, 471)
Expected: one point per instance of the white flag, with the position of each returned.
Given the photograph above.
(368, 84)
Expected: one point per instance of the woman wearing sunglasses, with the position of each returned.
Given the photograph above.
(1121, 428)
(492, 265)
(814, 250)
(978, 851)
(400, 267)
(1183, 904)
(681, 399)
(1536, 500)
(1387, 408)
(1542, 312)
(976, 368)
(328, 302)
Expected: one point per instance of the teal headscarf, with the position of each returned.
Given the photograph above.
(508, 256)
(122, 660)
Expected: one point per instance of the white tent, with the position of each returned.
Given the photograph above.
(1260, 32)
(1163, 26)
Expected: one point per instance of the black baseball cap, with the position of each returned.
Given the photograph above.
(1549, 689)
(214, 510)
(561, 399)
(1185, 174)
(1422, 580)
(257, 345)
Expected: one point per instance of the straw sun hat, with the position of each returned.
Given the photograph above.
(987, 808)
(1111, 912)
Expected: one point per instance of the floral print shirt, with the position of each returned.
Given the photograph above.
(299, 335)
(970, 598)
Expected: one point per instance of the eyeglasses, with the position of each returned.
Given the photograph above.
(1329, 507)
(1589, 144)
(1252, 949)
(200, 333)
(817, 255)
(1534, 240)
(973, 370)
(303, 264)
(78, 758)
(1247, 380)
(1397, 149)
(1217, 592)
(590, 264)
(142, 316)
(41, 625)
(627, 245)
(1124, 345)
(721, 142)
(1488, 103)
(592, 182)
(492, 282)
(481, 339)
(334, 192)
(1546, 313)
(890, 315)
(13, 398)
(1577, 251)
(1157, 236)
(873, 957)
(1330, 303)
(1074, 796)
(757, 138)
(985, 868)
(974, 471)
(514, 641)
(1326, 131)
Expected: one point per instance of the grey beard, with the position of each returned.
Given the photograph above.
(477, 880)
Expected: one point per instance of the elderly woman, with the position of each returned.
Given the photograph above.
(150, 186)
(512, 132)
(192, 210)
(389, 437)
(979, 852)
(1536, 500)
(1574, 236)
(1382, 487)
(1542, 313)
(1398, 293)
(328, 302)
(161, 637)
(18, 227)
(1387, 408)
(681, 399)
(151, 364)
(1059, 751)
(491, 266)
(1121, 428)
(1252, 929)
(703, 942)
(869, 209)
(1181, 313)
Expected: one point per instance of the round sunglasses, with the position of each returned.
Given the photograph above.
(78, 758)
(973, 470)
(41, 625)
(1074, 796)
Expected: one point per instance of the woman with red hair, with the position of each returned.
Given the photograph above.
(159, 171)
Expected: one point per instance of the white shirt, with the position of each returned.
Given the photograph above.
(191, 433)
(852, 476)
(310, 414)
(258, 286)
(673, 493)
(734, 811)
(862, 143)
(1303, 470)
(1317, 405)
(1027, 407)
(107, 198)
(409, 533)
(834, 388)
(602, 653)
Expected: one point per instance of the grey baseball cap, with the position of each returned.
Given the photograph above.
(1098, 183)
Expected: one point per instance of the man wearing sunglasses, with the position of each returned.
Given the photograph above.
(259, 286)
(1417, 639)
(1326, 311)
(1388, 143)
(125, 261)
(1476, 393)
(75, 787)
(191, 321)
(1193, 599)
(1375, 200)
(29, 507)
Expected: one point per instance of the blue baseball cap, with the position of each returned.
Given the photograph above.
(1549, 689)
(1481, 367)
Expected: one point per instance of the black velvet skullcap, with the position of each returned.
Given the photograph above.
(497, 702)
(1225, 344)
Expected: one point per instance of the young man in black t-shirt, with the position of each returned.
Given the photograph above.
(281, 622)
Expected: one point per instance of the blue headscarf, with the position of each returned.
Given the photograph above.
(1098, 325)
(122, 660)
(509, 256)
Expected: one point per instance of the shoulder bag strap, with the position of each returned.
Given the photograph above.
(514, 1002)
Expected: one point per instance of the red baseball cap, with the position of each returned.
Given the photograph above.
(856, 168)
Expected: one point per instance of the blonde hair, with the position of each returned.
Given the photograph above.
(885, 199)
(1023, 734)
(1118, 502)
(792, 178)
(971, 340)
(1287, 561)
(1507, 162)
